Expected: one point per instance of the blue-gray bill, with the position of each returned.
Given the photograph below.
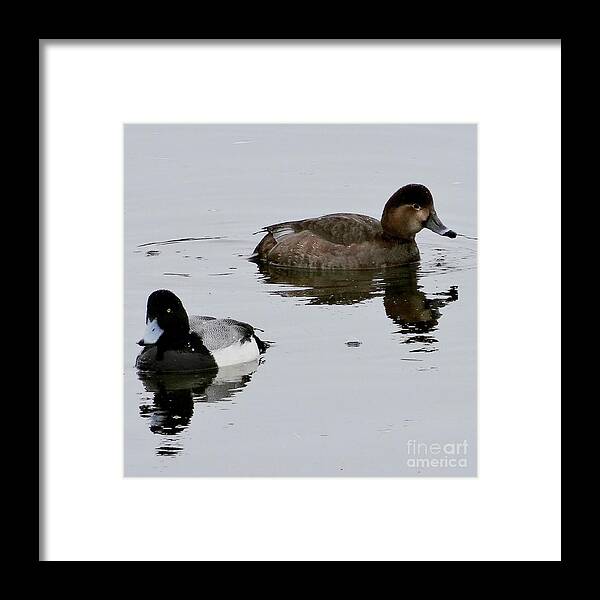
(152, 333)
(437, 226)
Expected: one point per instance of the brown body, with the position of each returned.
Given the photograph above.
(352, 242)
(338, 241)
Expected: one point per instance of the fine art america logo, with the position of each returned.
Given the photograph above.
(422, 455)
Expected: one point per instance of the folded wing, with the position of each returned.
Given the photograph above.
(339, 228)
(217, 334)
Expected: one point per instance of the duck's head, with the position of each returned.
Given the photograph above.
(165, 318)
(409, 210)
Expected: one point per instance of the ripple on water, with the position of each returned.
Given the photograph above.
(181, 240)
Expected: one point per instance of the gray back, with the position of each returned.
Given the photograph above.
(220, 333)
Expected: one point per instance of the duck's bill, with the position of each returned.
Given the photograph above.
(152, 333)
(438, 227)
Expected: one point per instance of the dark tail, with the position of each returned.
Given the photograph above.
(262, 346)
(264, 247)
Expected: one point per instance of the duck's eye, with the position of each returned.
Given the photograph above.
(168, 310)
(417, 206)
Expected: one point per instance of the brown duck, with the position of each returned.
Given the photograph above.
(349, 241)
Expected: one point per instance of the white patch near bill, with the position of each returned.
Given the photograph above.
(152, 333)
(236, 353)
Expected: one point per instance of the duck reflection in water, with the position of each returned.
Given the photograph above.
(417, 314)
(174, 395)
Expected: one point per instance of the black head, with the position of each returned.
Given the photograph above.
(166, 320)
(411, 194)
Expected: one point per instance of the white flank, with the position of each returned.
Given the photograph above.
(236, 353)
(152, 333)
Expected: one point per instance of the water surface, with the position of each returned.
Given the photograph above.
(365, 366)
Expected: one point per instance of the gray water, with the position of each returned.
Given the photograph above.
(365, 367)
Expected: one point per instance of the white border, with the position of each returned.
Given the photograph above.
(511, 512)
